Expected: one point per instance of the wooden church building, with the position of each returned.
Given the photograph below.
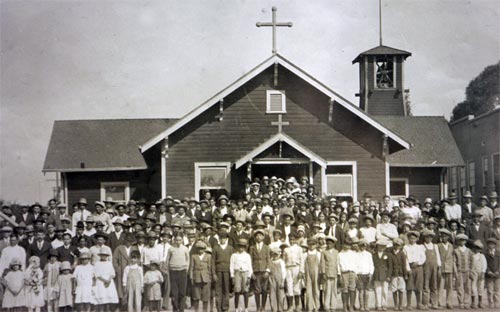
(276, 120)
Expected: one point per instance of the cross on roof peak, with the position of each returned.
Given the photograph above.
(274, 24)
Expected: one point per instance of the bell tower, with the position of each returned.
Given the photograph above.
(381, 81)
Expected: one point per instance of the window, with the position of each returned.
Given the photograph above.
(384, 72)
(275, 102)
(472, 176)
(212, 177)
(453, 179)
(399, 188)
(485, 171)
(463, 181)
(495, 160)
(116, 191)
(341, 179)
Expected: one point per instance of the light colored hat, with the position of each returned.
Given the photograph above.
(14, 261)
(99, 203)
(242, 242)
(363, 242)
(276, 250)
(104, 252)
(84, 255)
(477, 243)
(225, 224)
(200, 245)
(301, 228)
(356, 204)
(331, 238)
(382, 242)
(493, 194)
(398, 241)
(353, 220)
(467, 194)
(65, 265)
(461, 237)
(428, 200)
(415, 233)
(445, 232)
(259, 231)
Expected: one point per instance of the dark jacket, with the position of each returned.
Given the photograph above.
(383, 266)
(42, 253)
(222, 257)
(339, 235)
(493, 265)
(67, 254)
(399, 268)
(260, 258)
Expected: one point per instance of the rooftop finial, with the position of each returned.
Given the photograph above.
(380, 19)
(274, 24)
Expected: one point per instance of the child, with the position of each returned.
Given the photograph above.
(416, 259)
(34, 286)
(133, 282)
(65, 288)
(329, 271)
(348, 277)
(364, 270)
(105, 291)
(277, 280)
(51, 273)
(200, 272)
(153, 280)
(431, 269)
(478, 269)
(382, 262)
(462, 262)
(294, 270)
(400, 270)
(446, 252)
(83, 282)
(13, 297)
(493, 274)
(260, 255)
(240, 269)
(311, 273)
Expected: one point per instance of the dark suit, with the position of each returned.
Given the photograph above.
(113, 240)
(383, 266)
(466, 215)
(120, 260)
(27, 219)
(67, 254)
(75, 239)
(339, 235)
(281, 227)
(260, 264)
(481, 234)
(42, 253)
(26, 242)
(201, 270)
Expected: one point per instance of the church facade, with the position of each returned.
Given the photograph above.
(276, 120)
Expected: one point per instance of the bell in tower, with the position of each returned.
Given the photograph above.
(381, 83)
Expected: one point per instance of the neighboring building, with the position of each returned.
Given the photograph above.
(274, 120)
(478, 139)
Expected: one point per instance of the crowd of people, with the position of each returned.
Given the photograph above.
(278, 242)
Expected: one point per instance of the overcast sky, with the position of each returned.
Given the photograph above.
(144, 59)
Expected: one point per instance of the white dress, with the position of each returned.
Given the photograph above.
(103, 294)
(84, 292)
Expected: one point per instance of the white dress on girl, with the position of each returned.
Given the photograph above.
(84, 276)
(103, 294)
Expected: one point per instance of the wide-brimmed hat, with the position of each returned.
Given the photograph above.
(467, 194)
(242, 242)
(398, 241)
(493, 194)
(484, 197)
(353, 220)
(330, 238)
(414, 233)
(461, 237)
(258, 231)
(427, 232)
(104, 252)
(65, 265)
(478, 244)
(445, 232)
(84, 255)
(99, 203)
(15, 261)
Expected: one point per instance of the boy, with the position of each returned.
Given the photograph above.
(221, 258)
(311, 273)
(329, 271)
(347, 266)
(240, 269)
(277, 280)
(478, 269)
(416, 259)
(446, 252)
(178, 263)
(200, 272)
(400, 271)
(493, 274)
(260, 255)
(364, 271)
(462, 263)
(431, 269)
(294, 271)
(382, 262)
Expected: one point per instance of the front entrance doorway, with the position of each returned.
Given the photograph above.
(283, 171)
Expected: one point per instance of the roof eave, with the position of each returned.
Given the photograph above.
(425, 165)
(93, 169)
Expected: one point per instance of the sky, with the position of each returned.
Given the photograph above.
(64, 60)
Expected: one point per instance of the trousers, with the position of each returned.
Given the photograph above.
(463, 287)
(178, 282)
(222, 290)
(330, 293)
(381, 289)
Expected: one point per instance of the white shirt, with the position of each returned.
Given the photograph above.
(150, 254)
(364, 262)
(415, 253)
(369, 234)
(453, 212)
(346, 261)
(413, 212)
(240, 262)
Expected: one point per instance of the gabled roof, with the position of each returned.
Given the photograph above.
(276, 58)
(433, 144)
(382, 50)
(280, 137)
(100, 144)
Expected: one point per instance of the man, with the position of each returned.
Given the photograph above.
(493, 200)
(81, 213)
(178, 263)
(117, 237)
(487, 212)
(30, 237)
(255, 192)
(101, 215)
(468, 207)
(385, 229)
(11, 252)
(25, 216)
(221, 259)
(260, 255)
(67, 252)
(40, 248)
(121, 258)
(477, 229)
(99, 247)
(453, 211)
(287, 228)
(332, 230)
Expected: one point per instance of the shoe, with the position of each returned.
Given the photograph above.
(384, 309)
(449, 307)
(408, 308)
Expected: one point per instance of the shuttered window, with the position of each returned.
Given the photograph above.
(276, 102)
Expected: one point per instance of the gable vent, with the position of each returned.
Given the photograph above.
(276, 101)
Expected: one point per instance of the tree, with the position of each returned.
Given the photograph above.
(482, 94)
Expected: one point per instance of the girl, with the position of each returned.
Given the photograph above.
(83, 281)
(65, 287)
(34, 288)
(51, 273)
(133, 282)
(105, 291)
(14, 298)
(153, 280)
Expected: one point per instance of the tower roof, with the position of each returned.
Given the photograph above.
(382, 50)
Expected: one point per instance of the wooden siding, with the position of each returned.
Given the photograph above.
(423, 182)
(382, 101)
(246, 125)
